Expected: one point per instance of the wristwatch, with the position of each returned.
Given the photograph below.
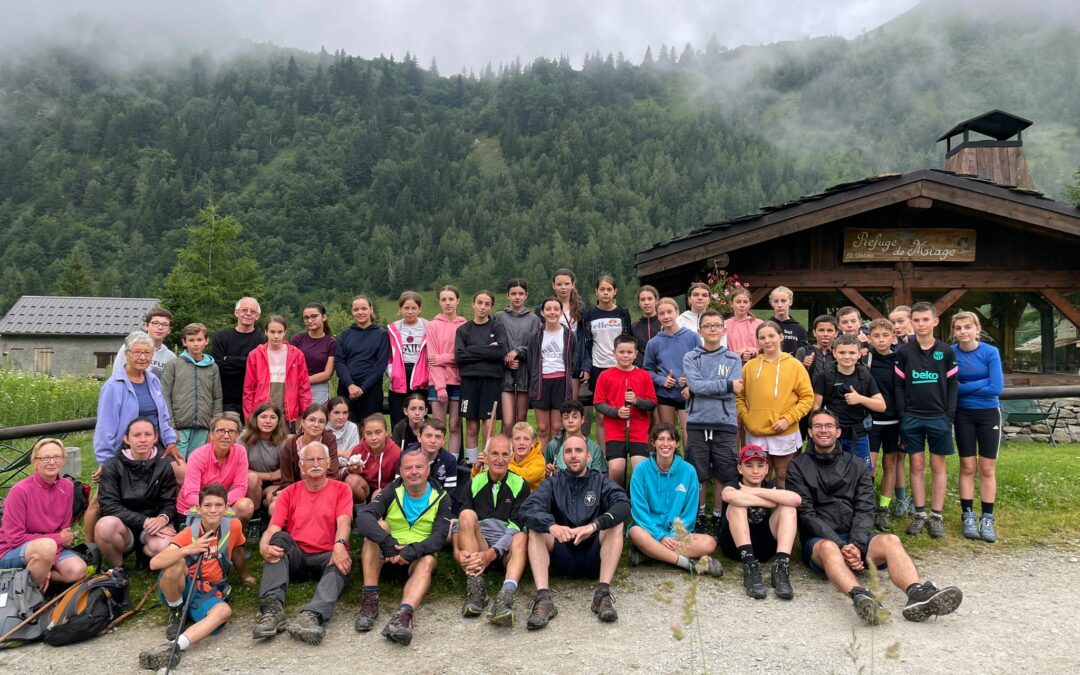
(343, 542)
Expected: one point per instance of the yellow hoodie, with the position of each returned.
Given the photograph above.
(773, 390)
(531, 468)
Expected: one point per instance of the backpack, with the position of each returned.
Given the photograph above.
(225, 527)
(88, 608)
(865, 380)
(19, 598)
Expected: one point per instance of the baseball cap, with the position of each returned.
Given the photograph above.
(750, 452)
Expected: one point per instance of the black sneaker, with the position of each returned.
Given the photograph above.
(176, 617)
(752, 581)
(603, 606)
(399, 628)
(542, 612)
(307, 627)
(165, 655)
(636, 556)
(869, 608)
(926, 600)
(502, 610)
(780, 579)
(476, 597)
(881, 520)
(369, 611)
(271, 619)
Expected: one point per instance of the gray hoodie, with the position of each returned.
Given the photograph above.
(709, 376)
(519, 327)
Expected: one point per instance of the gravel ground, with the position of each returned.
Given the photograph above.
(1020, 612)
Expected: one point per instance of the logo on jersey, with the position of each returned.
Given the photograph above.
(924, 377)
(938, 356)
(590, 498)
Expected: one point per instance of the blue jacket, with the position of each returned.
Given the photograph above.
(118, 405)
(664, 354)
(709, 376)
(658, 498)
(981, 377)
(361, 356)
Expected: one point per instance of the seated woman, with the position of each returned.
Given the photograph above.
(264, 436)
(137, 493)
(36, 531)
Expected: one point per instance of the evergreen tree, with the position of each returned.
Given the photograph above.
(75, 277)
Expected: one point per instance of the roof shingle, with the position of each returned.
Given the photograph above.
(55, 315)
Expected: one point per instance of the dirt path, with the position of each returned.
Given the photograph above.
(1021, 612)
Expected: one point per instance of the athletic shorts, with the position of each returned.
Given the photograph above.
(858, 446)
(884, 437)
(761, 540)
(594, 376)
(479, 395)
(713, 453)
(552, 393)
(978, 429)
(779, 446)
(808, 552)
(201, 603)
(622, 450)
(918, 432)
(492, 530)
(16, 557)
(677, 403)
(453, 393)
(582, 561)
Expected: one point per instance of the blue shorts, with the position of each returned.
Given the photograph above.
(16, 557)
(808, 552)
(201, 604)
(935, 432)
(581, 560)
(859, 446)
(453, 393)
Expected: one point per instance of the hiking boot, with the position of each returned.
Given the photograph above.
(918, 524)
(541, 612)
(901, 507)
(369, 611)
(636, 556)
(165, 655)
(869, 608)
(307, 627)
(603, 606)
(986, 528)
(711, 566)
(936, 526)
(926, 600)
(780, 579)
(400, 627)
(502, 610)
(969, 525)
(881, 520)
(176, 617)
(752, 581)
(271, 619)
(476, 597)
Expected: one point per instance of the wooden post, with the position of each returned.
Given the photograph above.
(1058, 300)
(757, 295)
(1049, 339)
(902, 289)
(946, 301)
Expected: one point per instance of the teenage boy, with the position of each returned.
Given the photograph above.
(442, 466)
(850, 322)
(157, 323)
(191, 386)
(818, 356)
(759, 522)
(572, 413)
(208, 544)
(714, 376)
(624, 395)
(849, 390)
(884, 435)
(926, 391)
(900, 318)
(781, 300)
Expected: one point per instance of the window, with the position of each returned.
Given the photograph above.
(104, 359)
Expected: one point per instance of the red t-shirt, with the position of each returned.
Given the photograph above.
(211, 568)
(611, 389)
(311, 517)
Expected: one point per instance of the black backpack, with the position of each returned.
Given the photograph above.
(88, 608)
(19, 598)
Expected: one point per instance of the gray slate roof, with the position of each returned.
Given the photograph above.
(55, 315)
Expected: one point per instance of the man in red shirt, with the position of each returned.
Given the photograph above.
(308, 534)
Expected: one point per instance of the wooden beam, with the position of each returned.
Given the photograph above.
(949, 299)
(1056, 298)
(757, 295)
(856, 298)
(920, 203)
(924, 277)
(903, 274)
(989, 204)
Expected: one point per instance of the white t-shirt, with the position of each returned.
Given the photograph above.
(551, 353)
(411, 337)
(276, 359)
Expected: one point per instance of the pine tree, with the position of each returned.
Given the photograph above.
(76, 278)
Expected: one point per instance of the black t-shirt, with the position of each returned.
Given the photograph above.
(756, 516)
(851, 416)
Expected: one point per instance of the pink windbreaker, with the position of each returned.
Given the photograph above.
(439, 342)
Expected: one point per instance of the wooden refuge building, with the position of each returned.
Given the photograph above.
(976, 235)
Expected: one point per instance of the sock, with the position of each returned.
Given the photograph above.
(967, 505)
(934, 513)
(911, 588)
(176, 604)
(405, 606)
(183, 642)
(603, 588)
(901, 492)
(746, 553)
(371, 589)
(920, 509)
(716, 513)
(988, 508)
(471, 454)
(883, 502)
(543, 594)
(701, 511)
(510, 586)
(683, 562)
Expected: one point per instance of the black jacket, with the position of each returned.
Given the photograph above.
(837, 496)
(474, 351)
(643, 330)
(534, 362)
(367, 522)
(573, 501)
(134, 490)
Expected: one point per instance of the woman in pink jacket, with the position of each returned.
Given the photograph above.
(444, 390)
(277, 372)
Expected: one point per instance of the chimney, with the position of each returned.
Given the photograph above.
(1000, 160)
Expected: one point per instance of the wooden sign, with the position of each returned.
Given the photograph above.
(916, 245)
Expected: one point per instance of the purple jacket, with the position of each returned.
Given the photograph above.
(118, 406)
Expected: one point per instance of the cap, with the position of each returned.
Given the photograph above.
(750, 452)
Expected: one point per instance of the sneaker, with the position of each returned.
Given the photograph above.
(542, 612)
(987, 530)
(926, 600)
(869, 608)
(918, 524)
(969, 525)
(476, 597)
(165, 655)
(369, 611)
(780, 579)
(711, 566)
(636, 556)
(307, 627)
(502, 610)
(400, 627)
(603, 606)
(271, 619)
(900, 507)
(752, 581)
(881, 520)
(176, 617)
(936, 526)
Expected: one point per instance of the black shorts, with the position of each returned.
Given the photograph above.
(622, 450)
(577, 561)
(713, 453)
(478, 395)
(761, 540)
(552, 394)
(885, 437)
(978, 430)
(594, 376)
(677, 403)
(918, 433)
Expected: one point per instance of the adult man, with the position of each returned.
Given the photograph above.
(836, 516)
(489, 529)
(230, 351)
(575, 521)
(405, 525)
(157, 323)
(308, 533)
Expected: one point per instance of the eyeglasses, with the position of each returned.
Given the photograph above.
(141, 354)
(51, 459)
(711, 326)
(315, 423)
(311, 317)
(316, 460)
(822, 427)
(160, 324)
(248, 311)
(225, 432)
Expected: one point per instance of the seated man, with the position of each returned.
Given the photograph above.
(575, 521)
(209, 542)
(836, 517)
(758, 523)
(137, 494)
(663, 489)
(572, 413)
(308, 534)
(405, 525)
(489, 529)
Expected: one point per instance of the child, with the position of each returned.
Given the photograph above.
(664, 362)
(714, 377)
(885, 432)
(360, 360)
(209, 543)
(408, 358)
(407, 430)
(741, 329)
(901, 321)
(345, 431)
(648, 325)
(520, 325)
(603, 324)
(926, 394)
(697, 301)
(850, 392)
(552, 359)
(624, 395)
(572, 414)
(264, 437)
(318, 345)
(781, 299)
(850, 322)
(371, 465)
(479, 348)
(191, 386)
(564, 283)
(528, 458)
(277, 371)
(444, 391)
(818, 357)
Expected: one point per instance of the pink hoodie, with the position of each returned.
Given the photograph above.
(439, 338)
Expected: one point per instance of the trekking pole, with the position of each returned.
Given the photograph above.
(626, 436)
(187, 606)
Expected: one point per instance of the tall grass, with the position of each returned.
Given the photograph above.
(26, 398)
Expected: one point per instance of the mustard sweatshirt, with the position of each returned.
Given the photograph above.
(772, 390)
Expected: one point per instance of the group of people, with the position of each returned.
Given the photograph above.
(193, 448)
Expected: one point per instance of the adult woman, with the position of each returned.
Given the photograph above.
(264, 437)
(277, 371)
(137, 492)
(444, 392)
(519, 324)
(312, 428)
(363, 350)
(408, 362)
(479, 348)
(977, 424)
(318, 345)
(36, 531)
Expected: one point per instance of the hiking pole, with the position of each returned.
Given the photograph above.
(626, 436)
(187, 605)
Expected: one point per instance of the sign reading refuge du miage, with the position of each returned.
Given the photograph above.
(890, 245)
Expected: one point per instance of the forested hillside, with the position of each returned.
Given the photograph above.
(353, 175)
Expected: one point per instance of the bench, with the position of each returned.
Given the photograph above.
(1028, 411)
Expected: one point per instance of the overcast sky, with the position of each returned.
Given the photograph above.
(462, 33)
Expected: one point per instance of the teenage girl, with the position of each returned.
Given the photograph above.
(648, 325)
(264, 436)
(363, 350)
(318, 346)
(520, 324)
(407, 431)
(697, 301)
(741, 329)
(408, 368)
(603, 323)
(444, 388)
(345, 431)
(479, 349)
(664, 362)
(276, 371)
(552, 354)
(564, 283)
